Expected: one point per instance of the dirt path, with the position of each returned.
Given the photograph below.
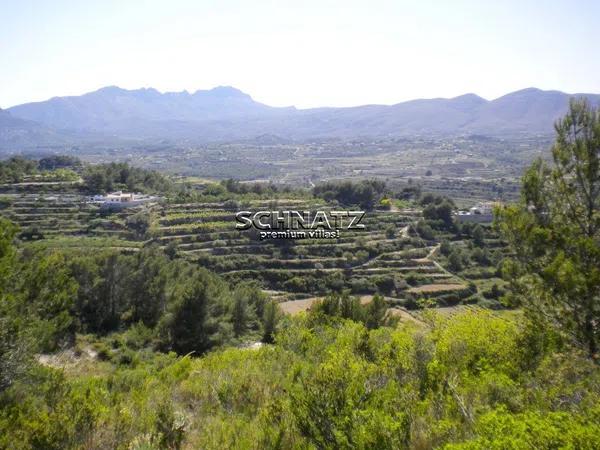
(433, 250)
(404, 232)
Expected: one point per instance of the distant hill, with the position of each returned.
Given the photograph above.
(226, 113)
(8, 121)
(18, 134)
(108, 108)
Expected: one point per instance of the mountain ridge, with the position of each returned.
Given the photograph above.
(226, 113)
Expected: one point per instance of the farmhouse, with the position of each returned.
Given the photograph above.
(482, 212)
(120, 199)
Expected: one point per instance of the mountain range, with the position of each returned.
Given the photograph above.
(228, 114)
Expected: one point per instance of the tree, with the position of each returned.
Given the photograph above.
(16, 168)
(189, 326)
(554, 232)
(340, 305)
(59, 162)
(197, 316)
(480, 256)
(243, 312)
(147, 286)
(47, 291)
(171, 250)
(270, 318)
(140, 222)
(110, 296)
(7, 252)
(390, 231)
(107, 177)
(440, 211)
(373, 315)
(445, 248)
(425, 231)
(36, 296)
(376, 313)
(365, 193)
(478, 236)
(455, 261)
(14, 346)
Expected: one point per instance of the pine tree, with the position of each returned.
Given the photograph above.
(554, 232)
(271, 316)
(190, 326)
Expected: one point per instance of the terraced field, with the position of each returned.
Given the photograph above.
(65, 219)
(386, 257)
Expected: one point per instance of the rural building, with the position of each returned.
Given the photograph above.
(482, 212)
(120, 199)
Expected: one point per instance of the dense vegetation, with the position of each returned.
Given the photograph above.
(141, 348)
(366, 193)
(188, 308)
(474, 380)
(52, 168)
(102, 178)
(555, 232)
(96, 178)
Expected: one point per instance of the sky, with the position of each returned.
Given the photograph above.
(303, 52)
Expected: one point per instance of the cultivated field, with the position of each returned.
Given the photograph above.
(387, 257)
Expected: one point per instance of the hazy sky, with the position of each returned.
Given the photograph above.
(301, 52)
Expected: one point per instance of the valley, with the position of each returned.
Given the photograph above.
(392, 255)
(145, 319)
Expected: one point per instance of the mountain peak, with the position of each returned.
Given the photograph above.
(112, 107)
(222, 92)
(532, 92)
(112, 91)
(471, 97)
(469, 100)
(226, 90)
(108, 90)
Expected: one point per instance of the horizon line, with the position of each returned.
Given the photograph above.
(150, 88)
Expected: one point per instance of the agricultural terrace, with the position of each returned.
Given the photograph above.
(398, 254)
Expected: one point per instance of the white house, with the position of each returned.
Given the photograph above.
(482, 208)
(120, 199)
(482, 212)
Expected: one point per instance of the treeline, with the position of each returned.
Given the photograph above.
(52, 296)
(97, 178)
(233, 192)
(367, 194)
(438, 209)
(101, 178)
(51, 168)
(236, 187)
(14, 169)
(189, 308)
(372, 315)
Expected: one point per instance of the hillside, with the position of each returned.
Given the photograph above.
(18, 133)
(227, 114)
(109, 107)
(163, 327)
